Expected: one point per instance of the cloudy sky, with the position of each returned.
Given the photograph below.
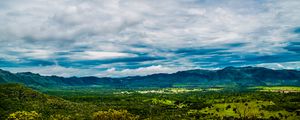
(139, 37)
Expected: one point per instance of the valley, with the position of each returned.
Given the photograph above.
(228, 94)
(150, 104)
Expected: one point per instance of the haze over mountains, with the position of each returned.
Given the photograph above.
(229, 76)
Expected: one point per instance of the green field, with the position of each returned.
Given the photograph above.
(283, 89)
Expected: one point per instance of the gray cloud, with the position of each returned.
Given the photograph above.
(137, 34)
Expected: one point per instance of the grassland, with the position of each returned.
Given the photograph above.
(283, 89)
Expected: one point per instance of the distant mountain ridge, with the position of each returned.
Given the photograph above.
(229, 76)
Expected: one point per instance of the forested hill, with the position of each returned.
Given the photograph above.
(16, 98)
(229, 76)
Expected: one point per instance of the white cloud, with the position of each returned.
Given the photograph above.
(54, 70)
(112, 72)
(94, 55)
(36, 54)
(108, 29)
(282, 65)
(184, 24)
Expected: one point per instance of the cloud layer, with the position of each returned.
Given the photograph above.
(139, 37)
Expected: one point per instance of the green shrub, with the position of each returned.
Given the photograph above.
(24, 115)
(114, 115)
(59, 117)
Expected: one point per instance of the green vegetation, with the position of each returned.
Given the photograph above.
(24, 115)
(19, 102)
(246, 110)
(283, 89)
(114, 115)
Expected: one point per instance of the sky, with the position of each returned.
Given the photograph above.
(117, 38)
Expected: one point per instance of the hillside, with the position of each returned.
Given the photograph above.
(15, 97)
(229, 76)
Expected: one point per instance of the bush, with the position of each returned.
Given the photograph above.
(114, 115)
(60, 117)
(24, 115)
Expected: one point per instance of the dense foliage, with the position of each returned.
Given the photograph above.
(19, 101)
(114, 115)
(24, 115)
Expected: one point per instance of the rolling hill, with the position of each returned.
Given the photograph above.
(16, 97)
(229, 76)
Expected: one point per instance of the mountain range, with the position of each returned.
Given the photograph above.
(229, 76)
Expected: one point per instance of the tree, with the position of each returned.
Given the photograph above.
(60, 117)
(114, 115)
(24, 115)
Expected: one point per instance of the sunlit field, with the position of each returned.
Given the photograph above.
(282, 89)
